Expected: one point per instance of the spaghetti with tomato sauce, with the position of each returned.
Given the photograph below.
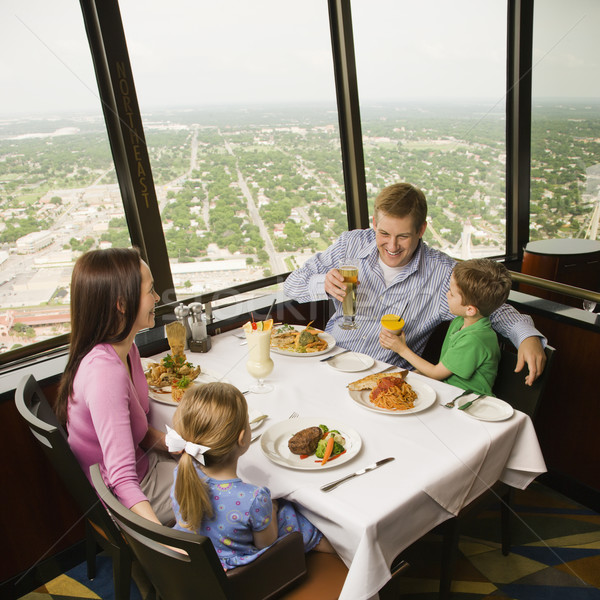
(393, 393)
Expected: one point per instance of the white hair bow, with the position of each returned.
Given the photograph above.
(175, 443)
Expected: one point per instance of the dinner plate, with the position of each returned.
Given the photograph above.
(425, 398)
(274, 443)
(324, 336)
(488, 409)
(165, 397)
(351, 362)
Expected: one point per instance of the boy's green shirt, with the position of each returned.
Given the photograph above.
(472, 354)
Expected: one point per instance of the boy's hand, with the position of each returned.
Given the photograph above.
(391, 341)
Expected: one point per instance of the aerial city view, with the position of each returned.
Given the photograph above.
(244, 194)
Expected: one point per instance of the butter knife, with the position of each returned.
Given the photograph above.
(329, 486)
(467, 404)
(334, 356)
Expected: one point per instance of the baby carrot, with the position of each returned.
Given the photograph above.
(328, 450)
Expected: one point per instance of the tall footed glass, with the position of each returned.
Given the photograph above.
(259, 363)
(349, 271)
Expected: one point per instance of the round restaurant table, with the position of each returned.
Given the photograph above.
(575, 262)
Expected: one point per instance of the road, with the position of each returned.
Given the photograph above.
(275, 260)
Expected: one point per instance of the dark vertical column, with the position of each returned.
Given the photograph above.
(342, 41)
(126, 136)
(518, 125)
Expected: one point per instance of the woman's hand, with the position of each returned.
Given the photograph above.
(154, 440)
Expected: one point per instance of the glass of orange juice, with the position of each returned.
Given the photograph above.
(393, 323)
(349, 271)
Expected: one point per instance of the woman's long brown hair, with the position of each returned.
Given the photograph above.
(101, 280)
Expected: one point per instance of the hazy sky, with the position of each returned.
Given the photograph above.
(194, 52)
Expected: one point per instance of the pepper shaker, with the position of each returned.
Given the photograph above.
(200, 341)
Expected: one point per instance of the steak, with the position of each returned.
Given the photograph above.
(305, 441)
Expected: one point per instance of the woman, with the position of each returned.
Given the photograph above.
(103, 396)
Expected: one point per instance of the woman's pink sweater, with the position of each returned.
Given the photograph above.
(107, 420)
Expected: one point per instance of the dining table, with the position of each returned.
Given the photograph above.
(442, 458)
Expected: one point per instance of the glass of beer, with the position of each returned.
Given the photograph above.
(349, 271)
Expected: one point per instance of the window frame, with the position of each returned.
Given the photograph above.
(115, 79)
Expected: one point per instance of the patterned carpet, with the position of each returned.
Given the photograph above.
(555, 555)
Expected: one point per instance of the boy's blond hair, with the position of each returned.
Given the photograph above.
(483, 283)
(214, 415)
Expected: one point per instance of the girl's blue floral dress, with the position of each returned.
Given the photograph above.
(239, 509)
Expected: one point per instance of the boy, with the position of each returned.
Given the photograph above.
(470, 352)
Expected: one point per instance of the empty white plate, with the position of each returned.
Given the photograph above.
(488, 409)
(351, 362)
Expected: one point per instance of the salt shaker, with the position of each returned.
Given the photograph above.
(200, 341)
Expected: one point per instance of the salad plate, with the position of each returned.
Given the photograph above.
(274, 443)
(163, 395)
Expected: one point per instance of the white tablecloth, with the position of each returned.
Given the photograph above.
(443, 458)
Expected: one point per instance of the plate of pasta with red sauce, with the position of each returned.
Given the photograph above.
(399, 393)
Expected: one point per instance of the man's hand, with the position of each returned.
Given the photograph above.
(334, 285)
(531, 353)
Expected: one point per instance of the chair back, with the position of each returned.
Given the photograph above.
(196, 571)
(45, 427)
(510, 386)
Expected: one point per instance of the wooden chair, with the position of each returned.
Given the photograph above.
(511, 388)
(100, 528)
(197, 572)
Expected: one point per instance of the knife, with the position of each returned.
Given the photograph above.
(334, 356)
(467, 404)
(329, 486)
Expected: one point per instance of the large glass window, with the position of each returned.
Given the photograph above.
(565, 131)
(432, 85)
(239, 111)
(58, 192)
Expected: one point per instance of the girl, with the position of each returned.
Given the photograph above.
(103, 395)
(211, 428)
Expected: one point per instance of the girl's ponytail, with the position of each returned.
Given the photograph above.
(192, 494)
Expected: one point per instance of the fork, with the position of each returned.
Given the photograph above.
(294, 415)
(453, 402)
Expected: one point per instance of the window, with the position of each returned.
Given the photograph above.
(239, 111)
(58, 193)
(432, 95)
(565, 131)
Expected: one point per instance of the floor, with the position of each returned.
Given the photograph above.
(555, 555)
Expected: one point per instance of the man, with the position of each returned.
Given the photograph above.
(398, 272)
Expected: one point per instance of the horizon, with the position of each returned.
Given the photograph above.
(239, 108)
